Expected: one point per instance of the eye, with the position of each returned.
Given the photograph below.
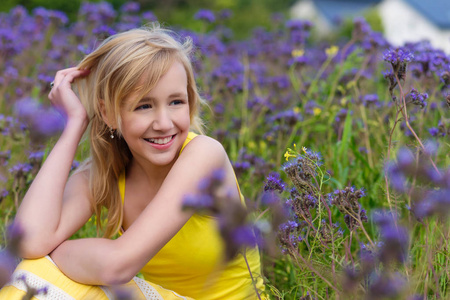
(177, 102)
(143, 106)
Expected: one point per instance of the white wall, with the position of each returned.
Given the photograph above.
(305, 10)
(402, 23)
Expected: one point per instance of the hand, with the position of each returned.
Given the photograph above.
(63, 97)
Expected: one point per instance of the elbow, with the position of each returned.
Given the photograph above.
(30, 249)
(29, 244)
(115, 277)
(117, 272)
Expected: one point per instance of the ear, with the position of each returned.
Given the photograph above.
(105, 117)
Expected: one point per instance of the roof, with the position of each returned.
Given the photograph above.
(437, 11)
(335, 10)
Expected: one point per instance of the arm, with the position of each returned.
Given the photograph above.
(44, 216)
(101, 261)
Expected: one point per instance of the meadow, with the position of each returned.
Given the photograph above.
(341, 150)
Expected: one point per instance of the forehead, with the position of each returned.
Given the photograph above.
(173, 81)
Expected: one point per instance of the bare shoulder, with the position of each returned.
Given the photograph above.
(206, 148)
(78, 182)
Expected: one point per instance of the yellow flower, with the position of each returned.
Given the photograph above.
(317, 111)
(304, 149)
(332, 51)
(296, 110)
(288, 154)
(297, 52)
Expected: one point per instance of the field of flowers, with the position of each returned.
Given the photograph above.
(341, 150)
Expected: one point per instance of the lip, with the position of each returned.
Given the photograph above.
(165, 146)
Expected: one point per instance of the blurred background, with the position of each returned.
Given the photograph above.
(246, 13)
(399, 20)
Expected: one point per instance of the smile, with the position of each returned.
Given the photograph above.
(160, 141)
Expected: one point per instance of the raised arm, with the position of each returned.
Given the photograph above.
(102, 261)
(50, 212)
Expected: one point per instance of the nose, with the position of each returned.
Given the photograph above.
(163, 120)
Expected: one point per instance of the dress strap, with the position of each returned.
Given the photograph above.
(190, 137)
(121, 179)
(121, 183)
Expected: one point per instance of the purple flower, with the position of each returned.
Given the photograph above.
(433, 131)
(386, 286)
(298, 25)
(394, 238)
(435, 202)
(274, 183)
(361, 27)
(244, 236)
(417, 98)
(149, 16)
(38, 155)
(397, 56)
(3, 194)
(42, 122)
(225, 14)
(104, 31)
(198, 202)
(20, 168)
(131, 7)
(58, 17)
(7, 266)
(205, 15)
(371, 99)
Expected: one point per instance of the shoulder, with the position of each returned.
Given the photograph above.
(202, 144)
(79, 180)
(204, 151)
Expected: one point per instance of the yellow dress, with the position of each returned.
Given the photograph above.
(191, 263)
(43, 273)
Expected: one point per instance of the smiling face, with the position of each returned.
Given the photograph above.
(156, 125)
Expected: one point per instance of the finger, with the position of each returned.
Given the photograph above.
(61, 74)
(70, 77)
(65, 81)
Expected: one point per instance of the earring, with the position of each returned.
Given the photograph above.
(111, 132)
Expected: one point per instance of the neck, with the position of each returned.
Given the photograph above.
(151, 174)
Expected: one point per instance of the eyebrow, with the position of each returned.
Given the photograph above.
(174, 95)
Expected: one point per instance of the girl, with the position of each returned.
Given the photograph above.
(137, 93)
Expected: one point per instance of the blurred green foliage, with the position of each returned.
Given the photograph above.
(247, 14)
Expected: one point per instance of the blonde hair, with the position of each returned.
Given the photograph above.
(116, 68)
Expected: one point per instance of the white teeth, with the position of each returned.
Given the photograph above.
(161, 141)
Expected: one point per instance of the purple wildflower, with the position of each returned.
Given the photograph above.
(274, 183)
(131, 7)
(386, 286)
(58, 17)
(397, 56)
(3, 194)
(433, 131)
(417, 98)
(104, 31)
(149, 16)
(205, 15)
(20, 169)
(371, 99)
(394, 238)
(42, 122)
(245, 236)
(225, 14)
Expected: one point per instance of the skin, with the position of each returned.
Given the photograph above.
(156, 182)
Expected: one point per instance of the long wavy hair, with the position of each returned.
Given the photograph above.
(116, 68)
